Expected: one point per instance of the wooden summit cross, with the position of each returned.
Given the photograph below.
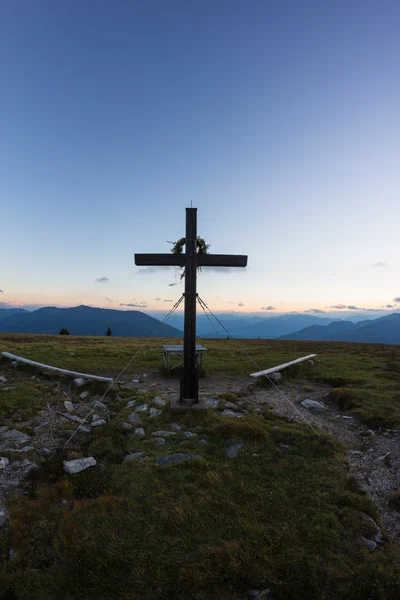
(191, 260)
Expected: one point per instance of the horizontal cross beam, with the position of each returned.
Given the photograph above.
(179, 260)
(160, 260)
(221, 260)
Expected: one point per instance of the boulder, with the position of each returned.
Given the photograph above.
(275, 377)
(69, 406)
(135, 456)
(142, 408)
(84, 395)
(313, 405)
(231, 413)
(175, 427)
(163, 433)
(98, 404)
(99, 422)
(3, 379)
(14, 438)
(4, 462)
(79, 464)
(154, 413)
(135, 419)
(233, 449)
(80, 382)
(190, 435)
(127, 426)
(139, 432)
(158, 401)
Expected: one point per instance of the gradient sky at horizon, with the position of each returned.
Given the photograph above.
(279, 120)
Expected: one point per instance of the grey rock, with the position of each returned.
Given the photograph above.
(158, 401)
(175, 427)
(163, 433)
(379, 539)
(142, 408)
(80, 382)
(98, 404)
(85, 428)
(127, 426)
(347, 418)
(190, 435)
(78, 465)
(14, 364)
(284, 447)
(275, 427)
(131, 404)
(174, 459)
(231, 413)
(313, 405)
(310, 362)
(384, 456)
(233, 449)
(3, 429)
(135, 380)
(159, 440)
(4, 516)
(3, 379)
(84, 395)
(231, 405)
(99, 422)
(44, 452)
(135, 456)
(256, 455)
(370, 433)
(69, 406)
(139, 432)
(154, 413)
(275, 377)
(95, 417)
(74, 418)
(354, 452)
(4, 462)
(212, 403)
(15, 438)
(27, 449)
(203, 442)
(135, 419)
(370, 544)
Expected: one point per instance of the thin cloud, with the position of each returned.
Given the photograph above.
(158, 299)
(133, 305)
(168, 300)
(268, 308)
(352, 307)
(1, 292)
(381, 263)
(102, 280)
(108, 299)
(396, 299)
(388, 306)
(152, 270)
(172, 284)
(315, 311)
(339, 306)
(240, 304)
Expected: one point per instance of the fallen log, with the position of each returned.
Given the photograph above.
(44, 367)
(284, 366)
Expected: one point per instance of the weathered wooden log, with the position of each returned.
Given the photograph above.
(284, 366)
(39, 365)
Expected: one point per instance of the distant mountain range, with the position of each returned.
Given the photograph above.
(385, 330)
(84, 320)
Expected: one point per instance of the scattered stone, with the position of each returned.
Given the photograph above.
(69, 406)
(4, 516)
(139, 432)
(44, 452)
(354, 452)
(370, 433)
(135, 456)
(154, 412)
(175, 427)
(135, 380)
(233, 449)
(135, 419)
(379, 538)
(212, 403)
(14, 364)
(99, 422)
(310, 362)
(276, 427)
(27, 449)
(3, 379)
(163, 433)
(203, 442)
(84, 395)
(275, 377)
(189, 435)
(231, 405)
(80, 382)
(74, 418)
(4, 462)
(370, 544)
(142, 408)
(130, 404)
(284, 447)
(231, 413)
(78, 465)
(159, 440)
(313, 404)
(174, 459)
(85, 428)
(259, 594)
(127, 425)
(98, 404)
(347, 417)
(158, 401)
(15, 437)
(95, 417)
(384, 456)
(256, 455)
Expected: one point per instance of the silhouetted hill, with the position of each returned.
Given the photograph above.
(385, 330)
(85, 320)
(7, 312)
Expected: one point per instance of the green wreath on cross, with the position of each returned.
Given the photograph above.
(201, 248)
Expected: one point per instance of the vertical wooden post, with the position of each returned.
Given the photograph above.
(189, 381)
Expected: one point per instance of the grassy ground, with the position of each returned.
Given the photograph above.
(366, 376)
(286, 520)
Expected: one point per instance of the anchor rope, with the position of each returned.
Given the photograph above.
(153, 333)
(201, 302)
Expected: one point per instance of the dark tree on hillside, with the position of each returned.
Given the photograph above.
(64, 331)
(109, 332)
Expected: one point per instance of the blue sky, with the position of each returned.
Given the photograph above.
(279, 120)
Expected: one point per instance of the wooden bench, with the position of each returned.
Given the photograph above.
(177, 350)
(284, 366)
